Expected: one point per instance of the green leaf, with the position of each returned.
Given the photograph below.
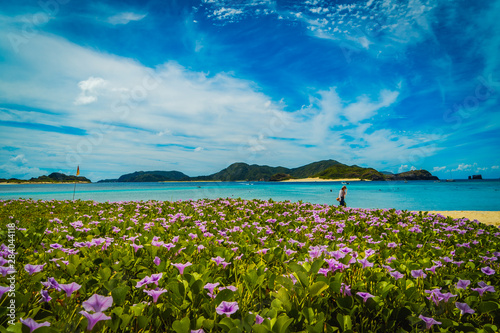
(181, 326)
(281, 324)
(105, 273)
(119, 295)
(208, 324)
(485, 307)
(224, 295)
(344, 321)
(317, 288)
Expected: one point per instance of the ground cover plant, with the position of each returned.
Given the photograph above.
(232, 265)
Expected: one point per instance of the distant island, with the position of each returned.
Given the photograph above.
(326, 170)
(55, 177)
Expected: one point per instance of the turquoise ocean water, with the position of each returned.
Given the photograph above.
(413, 195)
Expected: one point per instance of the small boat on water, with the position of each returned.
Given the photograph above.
(345, 183)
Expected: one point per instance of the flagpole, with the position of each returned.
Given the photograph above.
(74, 188)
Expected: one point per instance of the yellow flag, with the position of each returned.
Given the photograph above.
(78, 170)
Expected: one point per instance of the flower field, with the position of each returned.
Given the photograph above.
(232, 265)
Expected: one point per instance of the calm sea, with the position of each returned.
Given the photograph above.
(413, 195)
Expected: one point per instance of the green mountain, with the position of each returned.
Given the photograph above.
(55, 177)
(243, 171)
(327, 169)
(149, 176)
(412, 175)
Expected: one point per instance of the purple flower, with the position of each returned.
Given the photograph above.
(445, 297)
(487, 270)
(6, 270)
(365, 263)
(3, 290)
(94, 318)
(97, 303)
(45, 296)
(462, 284)
(397, 275)
(157, 261)
(51, 284)
(33, 325)
(486, 287)
(181, 267)
(464, 308)
(418, 273)
(218, 260)
(429, 321)
(364, 296)
(155, 293)
(32, 269)
(227, 308)
(198, 331)
(69, 288)
(155, 278)
(232, 288)
(211, 286)
(145, 280)
(136, 247)
(345, 289)
(258, 319)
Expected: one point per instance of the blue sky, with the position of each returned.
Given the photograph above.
(193, 86)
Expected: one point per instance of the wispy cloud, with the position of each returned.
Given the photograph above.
(125, 18)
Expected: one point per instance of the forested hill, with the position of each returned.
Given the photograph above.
(327, 169)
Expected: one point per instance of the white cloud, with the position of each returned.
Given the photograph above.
(19, 159)
(403, 168)
(495, 167)
(143, 118)
(125, 18)
(90, 89)
(437, 169)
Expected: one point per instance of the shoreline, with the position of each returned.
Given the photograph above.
(486, 217)
(316, 179)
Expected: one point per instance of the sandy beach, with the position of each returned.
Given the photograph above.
(303, 180)
(486, 217)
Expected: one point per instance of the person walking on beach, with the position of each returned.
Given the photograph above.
(342, 194)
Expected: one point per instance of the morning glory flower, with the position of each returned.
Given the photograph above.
(98, 303)
(155, 293)
(33, 325)
(32, 269)
(418, 273)
(211, 286)
(198, 331)
(144, 281)
(94, 318)
(157, 261)
(3, 290)
(51, 284)
(227, 308)
(70, 288)
(429, 321)
(345, 289)
(487, 270)
(486, 287)
(232, 288)
(136, 247)
(6, 270)
(155, 278)
(181, 267)
(365, 296)
(462, 284)
(258, 319)
(45, 296)
(397, 275)
(464, 308)
(365, 263)
(218, 260)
